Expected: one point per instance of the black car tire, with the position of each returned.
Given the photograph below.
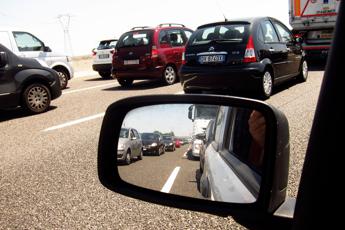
(125, 82)
(169, 75)
(63, 76)
(140, 157)
(105, 74)
(128, 158)
(303, 75)
(266, 86)
(36, 98)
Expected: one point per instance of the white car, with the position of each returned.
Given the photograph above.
(25, 44)
(102, 57)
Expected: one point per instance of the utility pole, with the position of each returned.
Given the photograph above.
(64, 20)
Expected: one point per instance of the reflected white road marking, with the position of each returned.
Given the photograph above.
(88, 88)
(70, 123)
(185, 155)
(167, 186)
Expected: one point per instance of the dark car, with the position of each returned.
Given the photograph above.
(24, 82)
(152, 144)
(169, 142)
(251, 55)
(150, 53)
(129, 145)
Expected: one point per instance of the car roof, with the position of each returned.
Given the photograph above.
(248, 20)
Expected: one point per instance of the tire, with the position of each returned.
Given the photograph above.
(140, 157)
(128, 158)
(266, 86)
(63, 76)
(303, 75)
(105, 75)
(125, 82)
(169, 75)
(36, 98)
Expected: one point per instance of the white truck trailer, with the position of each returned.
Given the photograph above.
(314, 22)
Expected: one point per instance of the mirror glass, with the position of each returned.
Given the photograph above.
(196, 150)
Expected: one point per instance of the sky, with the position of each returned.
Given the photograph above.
(163, 118)
(92, 21)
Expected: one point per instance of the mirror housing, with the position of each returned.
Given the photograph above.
(47, 49)
(3, 59)
(275, 167)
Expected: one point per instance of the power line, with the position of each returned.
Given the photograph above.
(65, 20)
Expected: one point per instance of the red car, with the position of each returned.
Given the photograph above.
(177, 143)
(150, 53)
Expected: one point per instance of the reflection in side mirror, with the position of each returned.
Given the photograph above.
(229, 173)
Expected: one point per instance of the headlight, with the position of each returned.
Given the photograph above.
(171, 144)
(154, 144)
(121, 147)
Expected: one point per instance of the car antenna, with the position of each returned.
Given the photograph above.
(220, 9)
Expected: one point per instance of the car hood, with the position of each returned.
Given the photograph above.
(122, 140)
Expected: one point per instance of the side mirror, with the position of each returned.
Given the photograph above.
(250, 165)
(201, 136)
(47, 49)
(298, 39)
(3, 59)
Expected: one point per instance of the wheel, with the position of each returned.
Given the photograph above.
(63, 76)
(36, 98)
(128, 157)
(105, 74)
(169, 75)
(303, 75)
(266, 85)
(140, 157)
(125, 82)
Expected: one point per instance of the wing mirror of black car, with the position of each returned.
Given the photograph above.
(245, 168)
(3, 59)
(47, 49)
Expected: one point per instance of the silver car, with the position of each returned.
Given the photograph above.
(129, 146)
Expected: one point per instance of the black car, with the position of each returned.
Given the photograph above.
(152, 144)
(251, 55)
(169, 142)
(24, 82)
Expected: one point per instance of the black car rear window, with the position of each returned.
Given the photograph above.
(167, 138)
(235, 33)
(135, 38)
(107, 44)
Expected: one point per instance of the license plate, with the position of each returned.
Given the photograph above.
(103, 56)
(131, 62)
(211, 59)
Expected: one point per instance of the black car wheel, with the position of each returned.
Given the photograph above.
(125, 82)
(169, 75)
(266, 85)
(63, 76)
(303, 75)
(36, 98)
(128, 157)
(105, 74)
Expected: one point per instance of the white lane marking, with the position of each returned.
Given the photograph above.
(88, 88)
(185, 155)
(167, 186)
(70, 123)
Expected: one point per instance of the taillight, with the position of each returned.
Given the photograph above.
(94, 52)
(154, 52)
(249, 55)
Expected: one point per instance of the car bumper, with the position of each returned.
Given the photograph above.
(150, 150)
(101, 67)
(169, 147)
(138, 74)
(121, 156)
(55, 89)
(246, 77)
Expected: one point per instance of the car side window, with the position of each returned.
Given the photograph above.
(284, 33)
(176, 38)
(27, 42)
(269, 33)
(136, 134)
(218, 135)
(164, 39)
(131, 135)
(188, 33)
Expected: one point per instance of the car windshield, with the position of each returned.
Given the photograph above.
(167, 138)
(135, 38)
(234, 33)
(148, 136)
(124, 133)
(107, 44)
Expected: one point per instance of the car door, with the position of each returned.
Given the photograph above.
(8, 97)
(166, 50)
(133, 141)
(177, 41)
(138, 144)
(276, 50)
(293, 49)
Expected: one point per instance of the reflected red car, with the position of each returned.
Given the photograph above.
(177, 143)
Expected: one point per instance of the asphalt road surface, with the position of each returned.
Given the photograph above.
(48, 173)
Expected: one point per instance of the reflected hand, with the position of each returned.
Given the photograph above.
(257, 127)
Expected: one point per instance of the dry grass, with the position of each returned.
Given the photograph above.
(82, 63)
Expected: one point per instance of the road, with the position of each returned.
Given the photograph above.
(48, 173)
